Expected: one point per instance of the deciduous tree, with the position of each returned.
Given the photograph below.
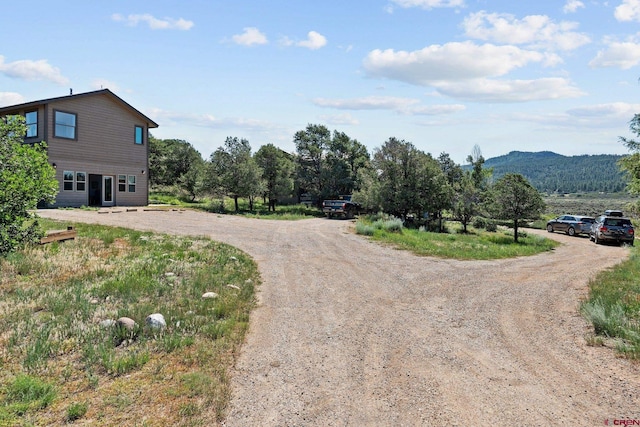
(232, 171)
(631, 164)
(514, 198)
(26, 178)
(277, 173)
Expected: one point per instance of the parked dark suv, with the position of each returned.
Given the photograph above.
(612, 229)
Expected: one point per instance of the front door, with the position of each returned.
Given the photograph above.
(107, 191)
(95, 190)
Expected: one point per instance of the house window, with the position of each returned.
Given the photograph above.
(67, 180)
(122, 183)
(139, 138)
(32, 124)
(132, 183)
(65, 125)
(81, 181)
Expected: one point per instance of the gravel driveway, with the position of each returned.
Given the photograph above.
(352, 333)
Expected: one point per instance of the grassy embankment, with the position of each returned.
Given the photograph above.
(59, 364)
(477, 244)
(613, 306)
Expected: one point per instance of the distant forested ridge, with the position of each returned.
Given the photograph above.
(554, 173)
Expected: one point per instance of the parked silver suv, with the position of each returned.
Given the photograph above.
(573, 225)
(612, 229)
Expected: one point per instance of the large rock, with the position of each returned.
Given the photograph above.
(209, 295)
(156, 321)
(126, 323)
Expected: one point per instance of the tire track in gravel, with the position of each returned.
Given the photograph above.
(348, 332)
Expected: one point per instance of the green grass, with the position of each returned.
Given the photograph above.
(475, 245)
(613, 305)
(260, 210)
(23, 395)
(54, 297)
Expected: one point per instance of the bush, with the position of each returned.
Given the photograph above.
(491, 226)
(27, 179)
(479, 222)
(76, 411)
(365, 229)
(393, 225)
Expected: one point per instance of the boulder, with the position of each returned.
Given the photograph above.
(126, 323)
(156, 321)
(208, 295)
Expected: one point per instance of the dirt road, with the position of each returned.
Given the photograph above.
(348, 332)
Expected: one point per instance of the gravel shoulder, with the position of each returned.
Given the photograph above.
(349, 332)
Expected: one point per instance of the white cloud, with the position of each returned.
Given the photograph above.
(32, 70)
(208, 120)
(408, 106)
(451, 61)
(10, 98)
(250, 37)
(614, 115)
(429, 4)
(572, 6)
(629, 10)
(534, 30)
(314, 41)
(617, 54)
(501, 91)
(154, 23)
(620, 110)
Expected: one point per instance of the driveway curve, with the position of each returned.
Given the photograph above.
(352, 333)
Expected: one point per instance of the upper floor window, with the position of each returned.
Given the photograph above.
(32, 124)
(139, 138)
(65, 125)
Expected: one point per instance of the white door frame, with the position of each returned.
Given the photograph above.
(107, 190)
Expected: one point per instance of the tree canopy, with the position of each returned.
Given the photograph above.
(514, 198)
(27, 179)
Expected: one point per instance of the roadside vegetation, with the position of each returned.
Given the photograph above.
(475, 244)
(613, 306)
(64, 356)
(225, 205)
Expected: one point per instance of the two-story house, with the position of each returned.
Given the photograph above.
(97, 143)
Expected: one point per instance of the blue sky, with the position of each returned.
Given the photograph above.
(446, 75)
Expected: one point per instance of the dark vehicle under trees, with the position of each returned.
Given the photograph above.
(343, 207)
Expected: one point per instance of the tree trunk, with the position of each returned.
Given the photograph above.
(235, 199)
(515, 230)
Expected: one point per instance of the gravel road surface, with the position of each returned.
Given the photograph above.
(351, 333)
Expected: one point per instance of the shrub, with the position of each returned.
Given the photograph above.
(491, 226)
(27, 179)
(605, 322)
(365, 229)
(76, 411)
(479, 222)
(393, 225)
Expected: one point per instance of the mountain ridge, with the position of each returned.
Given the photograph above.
(551, 172)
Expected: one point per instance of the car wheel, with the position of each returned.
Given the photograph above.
(550, 228)
(571, 231)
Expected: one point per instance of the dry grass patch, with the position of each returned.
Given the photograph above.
(55, 299)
